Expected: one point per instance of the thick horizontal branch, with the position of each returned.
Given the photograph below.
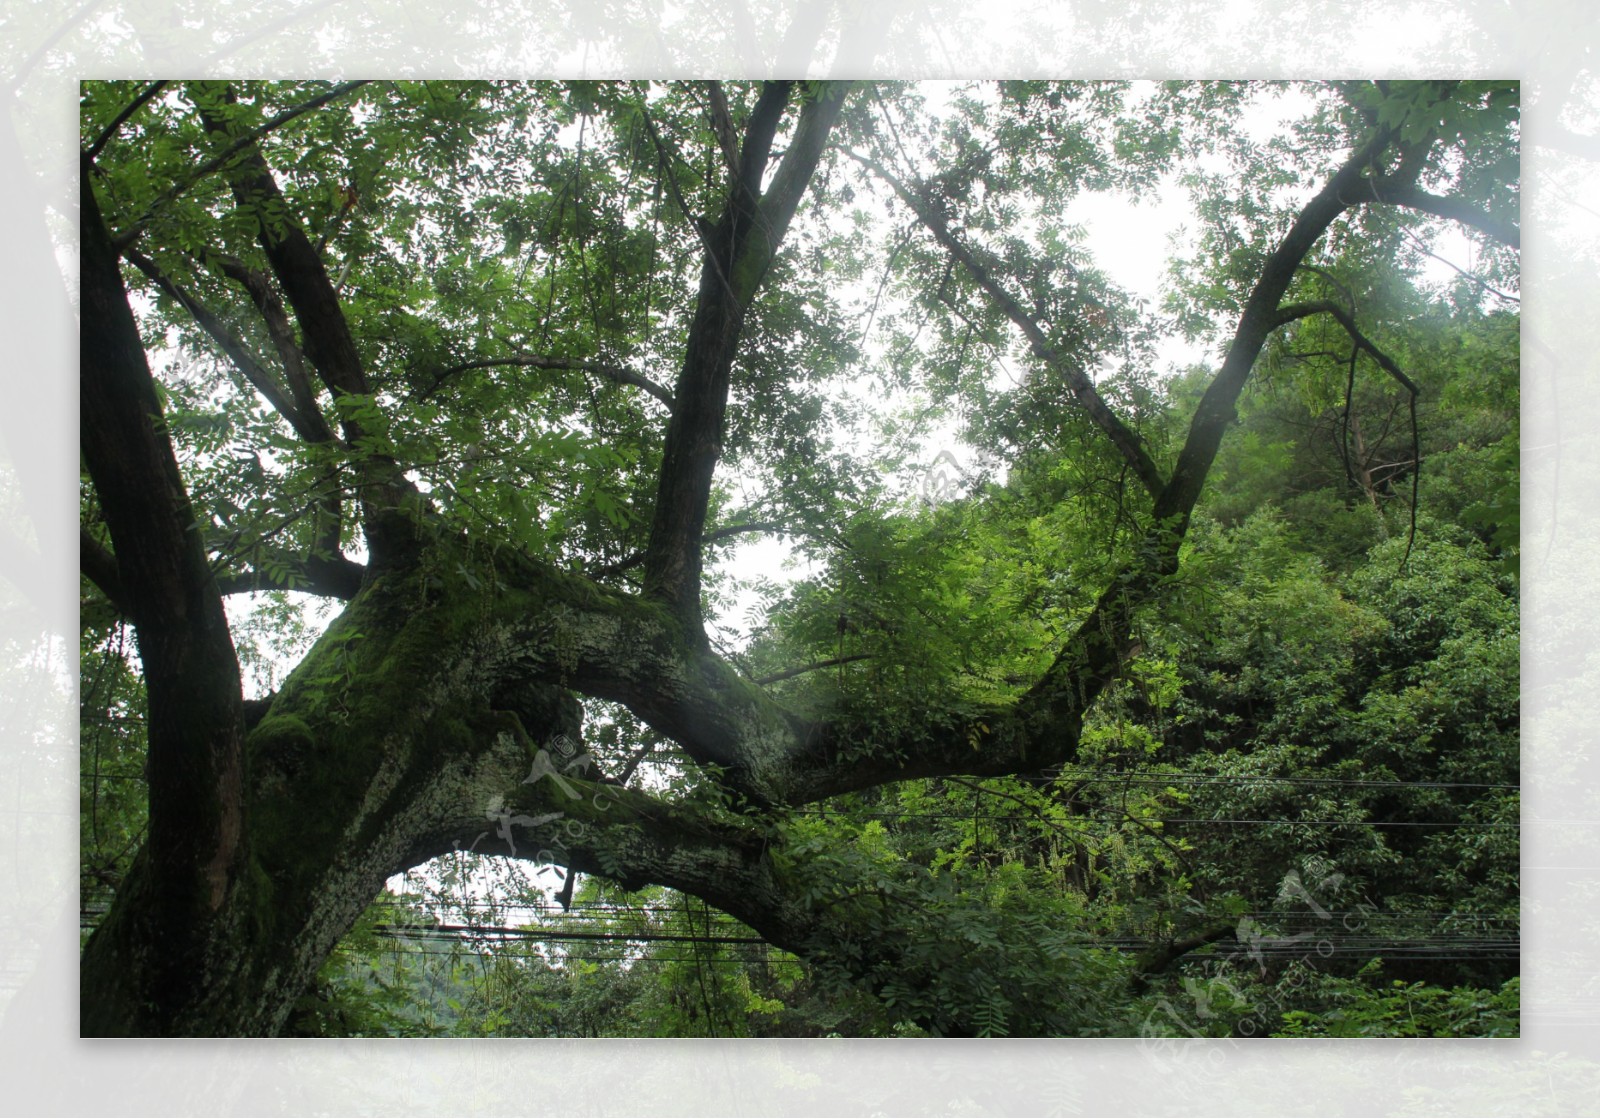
(1399, 193)
(615, 373)
(1162, 957)
(337, 577)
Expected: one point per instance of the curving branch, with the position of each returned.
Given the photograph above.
(1063, 365)
(1396, 191)
(93, 151)
(617, 373)
(1290, 312)
(1294, 311)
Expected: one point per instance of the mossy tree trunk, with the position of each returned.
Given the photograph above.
(421, 721)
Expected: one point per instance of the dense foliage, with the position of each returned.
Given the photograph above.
(1101, 724)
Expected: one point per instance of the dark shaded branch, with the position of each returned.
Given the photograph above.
(311, 430)
(192, 683)
(1042, 728)
(388, 499)
(133, 232)
(265, 298)
(1397, 192)
(1159, 959)
(1126, 441)
(122, 118)
(1216, 411)
(336, 577)
(616, 373)
(300, 271)
(99, 566)
(1295, 311)
(817, 117)
(739, 250)
(756, 147)
(651, 741)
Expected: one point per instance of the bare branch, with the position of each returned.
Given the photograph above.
(1293, 311)
(831, 662)
(1290, 312)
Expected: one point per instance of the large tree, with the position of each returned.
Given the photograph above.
(497, 367)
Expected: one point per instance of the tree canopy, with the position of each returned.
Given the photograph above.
(1163, 678)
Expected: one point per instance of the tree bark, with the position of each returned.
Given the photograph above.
(418, 722)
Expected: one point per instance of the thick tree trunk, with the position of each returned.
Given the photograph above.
(385, 734)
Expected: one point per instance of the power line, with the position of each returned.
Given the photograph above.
(501, 932)
(1082, 820)
(1183, 778)
(1235, 778)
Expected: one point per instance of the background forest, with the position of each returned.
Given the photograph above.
(1290, 809)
